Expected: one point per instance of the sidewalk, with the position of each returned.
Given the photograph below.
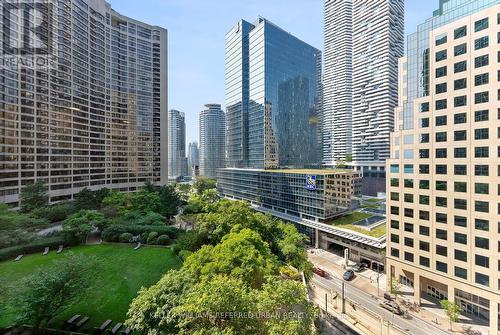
(367, 282)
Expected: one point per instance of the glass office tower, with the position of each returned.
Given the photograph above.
(272, 98)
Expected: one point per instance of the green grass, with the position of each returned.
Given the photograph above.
(122, 273)
(346, 222)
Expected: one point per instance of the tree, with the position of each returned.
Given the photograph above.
(85, 199)
(241, 255)
(150, 312)
(452, 310)
(212, 306)
(34, 196)
(80, 224)
(202, 184)
(286, 299)
(52, 289)
(169, 200)
(183, 190)
(292, 246)
(396, 287)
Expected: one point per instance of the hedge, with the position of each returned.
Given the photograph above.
(113, 232)
(33, 247)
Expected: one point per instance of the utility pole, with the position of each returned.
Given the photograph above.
(343, 297)
(378, 279)
(326, 302)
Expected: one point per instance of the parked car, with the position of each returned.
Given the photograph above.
(348, 275)
(388, 296)
(359, 267)
(320, 272)
(391, 306)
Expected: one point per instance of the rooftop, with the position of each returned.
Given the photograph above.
(348, 222)
(296, 171)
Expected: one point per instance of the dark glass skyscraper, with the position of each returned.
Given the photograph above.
(272, 98)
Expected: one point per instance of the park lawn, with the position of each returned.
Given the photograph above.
(122, 272)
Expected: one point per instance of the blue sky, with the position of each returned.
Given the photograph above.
(196, 39)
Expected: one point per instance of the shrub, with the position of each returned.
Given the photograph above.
(55, 213)
(15, 237)
(163, 240)
(152, 237)
(191, 240)
(109, 233)
(125, 237)
(35, 246)
(183, 254)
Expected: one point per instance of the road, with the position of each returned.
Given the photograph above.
(413, 325)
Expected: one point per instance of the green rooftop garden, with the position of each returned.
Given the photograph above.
(346, 222)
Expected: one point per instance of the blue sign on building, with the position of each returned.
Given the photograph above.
(311, 182)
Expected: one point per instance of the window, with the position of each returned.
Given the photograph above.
(460, 32)
(482, 206)
(424, 261)
(481, 43)
(441, 39)
(481, 25)
(482, 279)
(481, 79)
(394, 182)
(441, 55)
(441, 250)
(460, 221)
(460, 84)
(423, 199)
(460, 238)
(442, 267)
(394, 168)
(482, 115)
(441, 153)
(482, 243)
(408, 197)
(460, 170)
(441, 169)
(460, 255)
(424, 122)
(481, 152)
(441, 104)
(460, 101)
(460, 204)
(460, 49)
(441, 120)
(394, 252)
(409, 227)
(441, 136)
(425, 246)
(394, 210)
(424, 184)
(395, 223)
(424, 138)
(482, 188)
(442, 218)
(481, 97)
(481, 224)
(481, 170)
(441, 185)
(394, 238)
(460, 66)
(424, 215)
(441, 88)
(441, 234)
(460, 186)
(408, 242)
(408, 256)
(441, 201)
(424, 107)
(482, 261)
(423, 230)
(481, 61)
(408, 183)
(395, 196)
(408, 212)
(460, 118)
(460, 135)
(423, 153)
(481, 134)
(460, 152)
(460, 272)
(441, 71)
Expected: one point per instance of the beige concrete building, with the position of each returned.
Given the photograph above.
(443, 184)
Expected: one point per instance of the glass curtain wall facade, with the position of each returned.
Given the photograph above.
(177, 165)
(97, 116)
(193, 159)
(273, 98)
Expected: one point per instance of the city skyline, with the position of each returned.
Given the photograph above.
(189, 72)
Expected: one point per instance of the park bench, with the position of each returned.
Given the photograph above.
(18, 258)
(46, 251)
(116, 328)
(60, 249)
(104, 325)
(138, 246)
(82, 322)
(72, 319)
(127, 331)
